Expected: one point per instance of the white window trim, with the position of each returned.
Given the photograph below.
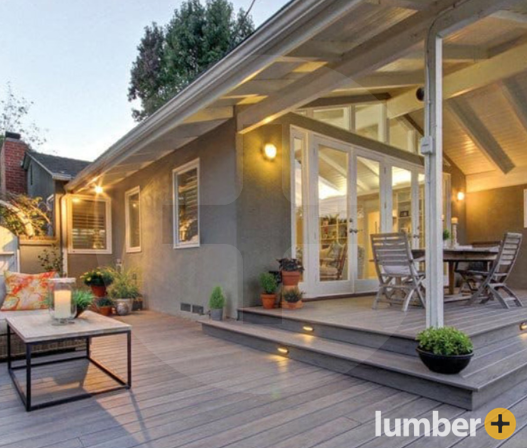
(108, 203)
(175, 200)
(127, 194)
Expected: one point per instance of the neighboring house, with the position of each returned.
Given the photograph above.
(304, 141)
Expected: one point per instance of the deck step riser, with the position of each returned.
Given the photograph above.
(396, 344)
(493, 336)
(447, 394)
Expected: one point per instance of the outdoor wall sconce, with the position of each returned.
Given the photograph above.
(270, 151)
(523, 326)
(308, 328)
(98, 189)
(283, 350)
(460, 196)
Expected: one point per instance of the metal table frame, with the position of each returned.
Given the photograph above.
(26, 397)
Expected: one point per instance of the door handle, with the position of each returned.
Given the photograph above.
(354, 231)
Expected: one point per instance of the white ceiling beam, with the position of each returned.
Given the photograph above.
(259, 87)
(461, 53)
(480, 135)
(211, 114)
(416, 5)
(370, 165)
(513, 92)
(376, 52)
(341, 170)
(510, 16)
(479, 75)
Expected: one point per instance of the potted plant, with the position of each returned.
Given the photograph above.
(123, 291)
(269, 285)
(446, 237)
(104, 306)
(98, 280)
(217, 303)
(83, 300)
(291, 270)
(445, 350)
(292, 299)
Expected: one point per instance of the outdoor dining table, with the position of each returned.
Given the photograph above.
(454, 255)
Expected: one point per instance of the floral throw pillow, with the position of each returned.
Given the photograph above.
(26, 291)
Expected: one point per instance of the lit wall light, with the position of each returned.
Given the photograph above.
(308, 328)
(76, 200)
(523, 326)
(283, 350)
(98, 189)
(270, 151)
(460, 196)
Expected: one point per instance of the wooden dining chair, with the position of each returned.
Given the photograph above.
(490, 283)
(400, 281)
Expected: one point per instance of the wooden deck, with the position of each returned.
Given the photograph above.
(357, 313)
(195, 391)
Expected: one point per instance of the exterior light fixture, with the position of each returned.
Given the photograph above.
(308, 328)
(523, 326)
(98, 189)
(460, 196)
(270, 151)
(283, 350)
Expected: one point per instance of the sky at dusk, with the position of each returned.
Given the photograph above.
(73, 60)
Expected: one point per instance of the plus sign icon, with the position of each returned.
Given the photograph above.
(500, 423)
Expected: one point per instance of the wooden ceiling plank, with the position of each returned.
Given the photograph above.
(516, 98)
(480, 135)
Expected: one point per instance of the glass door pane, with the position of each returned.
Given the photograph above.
(299, 249)
(333, 214)
(402, 201)
(368, 215)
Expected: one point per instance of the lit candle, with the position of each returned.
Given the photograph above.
(62, 304)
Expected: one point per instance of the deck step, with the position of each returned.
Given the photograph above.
(499, 367)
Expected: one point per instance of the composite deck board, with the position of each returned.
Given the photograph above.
(193, 390)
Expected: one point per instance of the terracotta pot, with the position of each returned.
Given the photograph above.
(105, 310)
(98, 291)
(268, 301)
(292, 305)
(290, 278)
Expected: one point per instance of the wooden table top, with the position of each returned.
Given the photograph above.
(37, 328)
(463, 253)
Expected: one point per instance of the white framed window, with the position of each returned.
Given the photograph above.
(132, 203)
(89, 225)
(185, 180)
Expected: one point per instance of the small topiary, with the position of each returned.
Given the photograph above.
(446, 341)
(217, 299)
(446, 235)
(268, 283)
(292, 295)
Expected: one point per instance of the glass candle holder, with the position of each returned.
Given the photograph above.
(62, 308)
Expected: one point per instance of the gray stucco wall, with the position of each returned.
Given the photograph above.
(171, 276)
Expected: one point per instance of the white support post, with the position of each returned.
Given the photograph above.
(433, 181)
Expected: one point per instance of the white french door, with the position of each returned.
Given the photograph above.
(342, 195)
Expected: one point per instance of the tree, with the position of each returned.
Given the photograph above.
(14, 114)
(169, 59)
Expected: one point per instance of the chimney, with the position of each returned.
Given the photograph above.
(12, 174)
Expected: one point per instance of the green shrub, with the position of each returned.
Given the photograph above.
(292, 295)
(124, 285)
(446, 235)
(217, 299)
(445, 341)
(82, 298)
(268, 283)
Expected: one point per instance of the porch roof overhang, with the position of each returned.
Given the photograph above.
(330, 49)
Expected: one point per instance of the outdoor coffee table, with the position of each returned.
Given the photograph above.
(38, 329)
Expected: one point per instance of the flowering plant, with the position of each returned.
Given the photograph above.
(97, 277)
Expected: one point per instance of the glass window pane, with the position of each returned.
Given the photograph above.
(298, 199)
(402, 200)
(187, 207)
(368, 120)
(368, 214)
(134, 224)
(88, 224)
(339, 117)
(333, 214)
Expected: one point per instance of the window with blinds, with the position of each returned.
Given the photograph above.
(89, 226)
(186, 205)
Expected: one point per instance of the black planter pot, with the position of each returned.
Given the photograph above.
(449, 365)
